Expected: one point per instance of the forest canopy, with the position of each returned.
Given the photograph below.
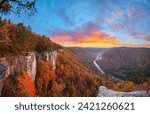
(18, 38)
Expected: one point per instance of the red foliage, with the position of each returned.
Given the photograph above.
(25, 86)
(21, 86)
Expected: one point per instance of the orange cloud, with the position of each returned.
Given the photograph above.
(61, 38)
(98, 42)
(90, 39)
(146, 45)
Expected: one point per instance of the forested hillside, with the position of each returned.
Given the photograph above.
(15, 39)
(86, 56)
(74, 75)
(70, 78)
(127, 63)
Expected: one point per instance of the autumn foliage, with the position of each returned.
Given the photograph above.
(76, 78)
(15, 39)
(70, 78)
(22, 86)
(25, 86)
(45, 77)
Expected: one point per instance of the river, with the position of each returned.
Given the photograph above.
(99, 57)
(105, 92)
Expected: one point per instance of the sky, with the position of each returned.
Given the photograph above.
(91, 23)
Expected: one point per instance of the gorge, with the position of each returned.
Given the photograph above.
(33, 65)
(105, 92)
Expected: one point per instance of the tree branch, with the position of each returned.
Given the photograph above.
(18, 5)
(2, 2)
(27, 5)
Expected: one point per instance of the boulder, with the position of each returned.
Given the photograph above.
(105, 92)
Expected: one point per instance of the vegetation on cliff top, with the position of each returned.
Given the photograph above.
(18, 38)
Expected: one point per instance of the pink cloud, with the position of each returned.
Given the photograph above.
(110, 21)
(61, 38)
(116, 15)
(87, 37)
(141, 35)
(134, 13)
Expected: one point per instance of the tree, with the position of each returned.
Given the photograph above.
(21, 85)
(25, 85)
(17, 6)
(44, 79)
(128, 86)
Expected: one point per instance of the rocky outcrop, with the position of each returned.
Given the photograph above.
(105, 92)
(3, 70)
(3, 74)
(27, 61)
(31, 64)
(48, 56)
(53, 58)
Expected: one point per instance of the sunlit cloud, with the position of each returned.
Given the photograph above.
(146, 45)
(61, 38)
(90, 39)
(141, 35)
(91, 23)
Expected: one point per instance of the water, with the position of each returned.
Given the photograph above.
(99, 57)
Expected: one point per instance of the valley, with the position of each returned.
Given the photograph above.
(121, 84)
(98, 59)
(131, 64)
(33, 65)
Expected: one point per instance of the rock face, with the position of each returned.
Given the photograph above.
(52, 56)
(3, 69)
(3, 73)
(27, 61)
(31, 64)
(48, 56)
(105, 92)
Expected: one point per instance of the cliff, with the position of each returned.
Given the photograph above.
(27, 61)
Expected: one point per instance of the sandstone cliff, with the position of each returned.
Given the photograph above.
(27, 61)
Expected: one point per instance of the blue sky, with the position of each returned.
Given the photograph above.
(91, 23)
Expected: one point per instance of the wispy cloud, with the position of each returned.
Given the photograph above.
(141, 35)
(62, 13)
(92, 22)
(88, 36)
(114, 18)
